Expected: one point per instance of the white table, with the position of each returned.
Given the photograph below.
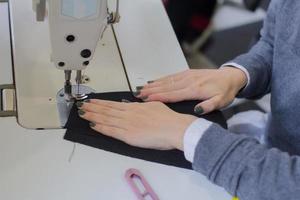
(35, 164)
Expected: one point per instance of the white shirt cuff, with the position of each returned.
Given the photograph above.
(241, 68)
(192, 137)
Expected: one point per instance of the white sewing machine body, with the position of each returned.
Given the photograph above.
(76, 26)
(39, 47)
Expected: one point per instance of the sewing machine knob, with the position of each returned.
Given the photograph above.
(70, 38)
(86, 53)
(61, 64)
(86, 63)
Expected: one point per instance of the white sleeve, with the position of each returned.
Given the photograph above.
(193, 135)
(196, 130)
(241, 68)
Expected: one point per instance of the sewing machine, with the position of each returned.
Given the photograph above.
(78, 36)
(75, 29)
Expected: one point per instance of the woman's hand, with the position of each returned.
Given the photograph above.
(216, 88)
(147, 125)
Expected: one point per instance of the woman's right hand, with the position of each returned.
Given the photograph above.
(216, 88)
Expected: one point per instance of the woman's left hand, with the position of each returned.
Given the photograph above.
(147, 125)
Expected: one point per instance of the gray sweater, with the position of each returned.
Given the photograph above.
(240, 164)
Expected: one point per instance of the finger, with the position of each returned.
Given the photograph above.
(112, 104)
(114, 132)
(103, 119)
(208, 105)
(167, 87)
(173, 76)
(163, 82)
(154, 84)
(170, 97)
(100, 109)
(166, 79)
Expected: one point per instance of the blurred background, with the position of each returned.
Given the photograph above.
(212, 32)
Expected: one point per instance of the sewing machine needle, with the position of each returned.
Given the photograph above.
(78, 81)
(78, 88)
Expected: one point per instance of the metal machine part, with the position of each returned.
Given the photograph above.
(114, 17)
(64, 107)
(68, 86)
(39, 6)
(79, 96)
(73, 93)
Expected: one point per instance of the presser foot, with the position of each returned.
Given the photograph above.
(80, 97)
(65, 102)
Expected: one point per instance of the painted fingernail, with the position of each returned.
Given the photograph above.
(79, 104)
(149, 82)
(138, 88)
(81, 112)
(137, 93)
(92, 124)
(144, 98)
(87, 101)
(199, 110)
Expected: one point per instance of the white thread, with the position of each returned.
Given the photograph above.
(72, 153)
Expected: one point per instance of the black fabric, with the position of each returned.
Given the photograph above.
(78, 131)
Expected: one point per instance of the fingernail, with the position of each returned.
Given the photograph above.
(144, 98)
(81, 112)
(138, 88)
(87, 101)
(137, 93)
(149, 82)
(199, 110)
(92, 124)
(79, 104)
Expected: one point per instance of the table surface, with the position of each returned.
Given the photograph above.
(35, 164)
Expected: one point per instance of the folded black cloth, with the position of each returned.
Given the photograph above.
(78, 131)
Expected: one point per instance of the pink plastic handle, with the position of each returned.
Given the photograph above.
(134, 173)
